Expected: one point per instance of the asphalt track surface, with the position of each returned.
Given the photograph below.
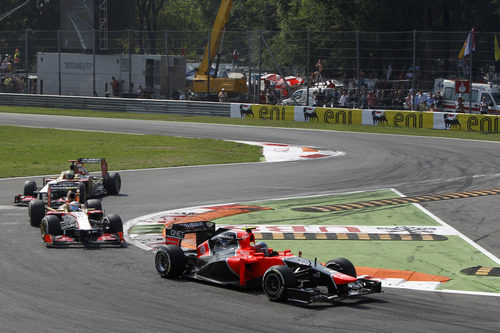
(118, 289)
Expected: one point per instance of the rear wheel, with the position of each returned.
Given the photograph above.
(342, 265)
(170, 261)
(276, 281)
(112, 183)
(113, 223)
(82, 197)
(94, 204)
(29, 188)
(36, 212)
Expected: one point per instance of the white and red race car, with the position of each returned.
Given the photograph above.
(75, 223)
(90, 186)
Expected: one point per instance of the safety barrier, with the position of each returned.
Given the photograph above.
(194, 108)
(411, 119)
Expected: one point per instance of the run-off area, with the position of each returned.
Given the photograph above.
(395, 240)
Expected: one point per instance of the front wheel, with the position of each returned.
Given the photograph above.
(170, 261)
(51, 225)
(29, 188)
(113, 223)
(276, 280)
(342, 265)
(36, 212)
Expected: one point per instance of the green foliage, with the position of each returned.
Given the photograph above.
(278, 15)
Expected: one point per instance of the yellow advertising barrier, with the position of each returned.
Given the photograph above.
(394, 118)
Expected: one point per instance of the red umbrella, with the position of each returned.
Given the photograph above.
(271, 77)
(291, 80)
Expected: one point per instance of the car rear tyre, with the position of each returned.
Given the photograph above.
(113, 223)
(29, 188)
(36, 212)
(94, 204)
(276, 281)
(342, 265)
(112, 183)
(82, 188)
(170, 261)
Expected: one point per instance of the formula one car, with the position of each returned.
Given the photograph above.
(231, 257)
(75, 223)
(91, 186)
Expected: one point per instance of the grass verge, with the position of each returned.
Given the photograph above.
(35, 151)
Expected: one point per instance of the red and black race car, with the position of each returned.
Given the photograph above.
(91, 186)
(74, 223)
(232, 257)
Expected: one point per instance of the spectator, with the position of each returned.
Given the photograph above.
(223, 97)
(460, 107)
(483, 106)
(115, 85)
(438, 99)
(363, 103)
(236, 56)
(371, 100)
(409, 101)
(430, 101)
(344, 99)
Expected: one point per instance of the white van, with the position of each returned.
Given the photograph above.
(300, 95)
(479, 90)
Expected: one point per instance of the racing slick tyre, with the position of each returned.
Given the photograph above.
(113, 223)
(36, 212)
(276, 280)
(94, 204)
(342, 265)
(112, 183)
(170, 261)
(29, 187)
(82, 197)
(51, 225)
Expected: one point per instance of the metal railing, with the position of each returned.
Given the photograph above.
(187, 108)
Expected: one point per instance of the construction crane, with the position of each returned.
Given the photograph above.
(206, 80)
(8, 13)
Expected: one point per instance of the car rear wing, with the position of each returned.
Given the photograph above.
(175, 233)
(96, 160)
(62, 187)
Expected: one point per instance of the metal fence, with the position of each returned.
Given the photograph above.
(381, 60)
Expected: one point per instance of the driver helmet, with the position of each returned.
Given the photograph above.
(70, 174)
(261, 247)
(74, 206)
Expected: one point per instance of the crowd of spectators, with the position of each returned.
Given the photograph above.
(345, 95)
(9, 81)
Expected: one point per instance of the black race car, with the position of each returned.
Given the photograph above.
(232, 257)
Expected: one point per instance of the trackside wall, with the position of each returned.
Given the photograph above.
(412, 119)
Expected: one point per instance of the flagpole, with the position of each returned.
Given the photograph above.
(470, 81)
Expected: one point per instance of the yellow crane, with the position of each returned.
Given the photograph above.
(204, 82)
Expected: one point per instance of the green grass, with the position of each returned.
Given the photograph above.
(35, 151)
(29, 152)
(258, 122)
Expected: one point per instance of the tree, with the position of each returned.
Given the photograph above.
(148, 11)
